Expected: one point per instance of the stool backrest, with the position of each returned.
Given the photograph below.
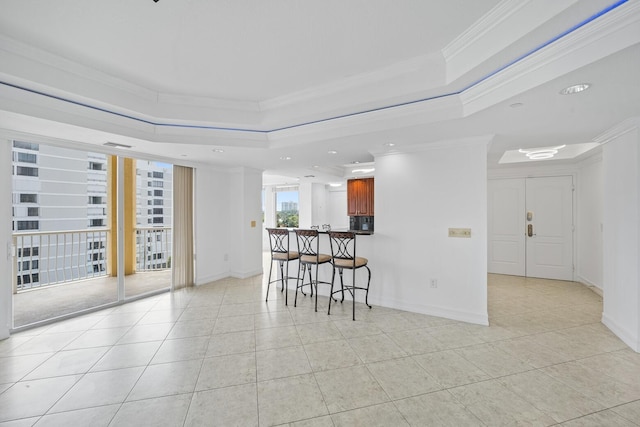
(279, 240)
(308, 242)
(343, 245)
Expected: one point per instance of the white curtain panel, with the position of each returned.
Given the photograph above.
(182, 265)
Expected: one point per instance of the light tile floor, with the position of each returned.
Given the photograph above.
(219, 355)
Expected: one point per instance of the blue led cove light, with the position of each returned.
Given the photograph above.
(328, 119)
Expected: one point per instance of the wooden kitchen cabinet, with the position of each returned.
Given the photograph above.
(360, 197)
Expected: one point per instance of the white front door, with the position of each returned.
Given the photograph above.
(506, 225)
(550, 216)
(531, 227)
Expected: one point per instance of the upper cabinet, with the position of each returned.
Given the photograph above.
(360, 197)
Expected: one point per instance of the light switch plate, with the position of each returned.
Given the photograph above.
(460, 232)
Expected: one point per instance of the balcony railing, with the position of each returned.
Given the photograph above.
(153, 248)
(45, 258)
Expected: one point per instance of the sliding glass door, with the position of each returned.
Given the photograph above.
(68, 206)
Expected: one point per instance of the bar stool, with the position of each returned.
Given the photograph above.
(279, 242)
(343, 254)
(309, 251)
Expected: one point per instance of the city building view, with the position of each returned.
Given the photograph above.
(60, 215)
(287, 207)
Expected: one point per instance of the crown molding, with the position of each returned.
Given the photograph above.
(629, 125)
(102, 102)
(449, 144)
(435, 110)
(609, 34)
(59, 64)
(430, 66)
(208, 102)
(465, 41)
(503, 26)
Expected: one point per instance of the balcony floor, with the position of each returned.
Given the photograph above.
(53, 301)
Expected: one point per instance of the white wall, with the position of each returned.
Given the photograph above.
(245, 254)
(312, 204)
(319, 204)
(589, 223)
(211, 223)
(305, 205)
(269, 214)
(621, 238)
(6, 279)
(337, 208)
(426, 192)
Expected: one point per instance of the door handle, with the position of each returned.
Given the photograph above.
(530, 230)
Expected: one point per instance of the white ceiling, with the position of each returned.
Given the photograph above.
(263, 80)
(240, 50)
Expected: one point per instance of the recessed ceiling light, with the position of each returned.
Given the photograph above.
(116, 145)
(183, 155)
(547, 153)
(217, 150)
(355, 162)
(364, 170)
(315, 166)
(335, 184)
(332, 152)
(575, 89)
(542, 153)
(516, 105)
(285, 158)
(389, 144)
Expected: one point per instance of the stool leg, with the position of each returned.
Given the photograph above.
(301, 266)
(353, 294)
(366, 296)
(269, 279)
(281, 263)
(341, 285)
(333, 277)
(316, 286)
(285, 277)
(304, 270)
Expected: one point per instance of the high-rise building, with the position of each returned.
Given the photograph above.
(289, 206)
(60, 214)
(154, 187)
(56, 193)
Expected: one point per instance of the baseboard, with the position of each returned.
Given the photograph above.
(594, 287)
(245, 274)
(627, 337)
(447, 313)
(211, 278)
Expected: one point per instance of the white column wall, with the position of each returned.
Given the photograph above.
(305, 205)
(337, 208)
(245, 255)
(589, 222)
(419, 195)
(269, 214)
(211, 224)
(319, 205)
(312, 206)
(621, 238)
(6, 279)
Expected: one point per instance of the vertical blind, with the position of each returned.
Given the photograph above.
(182, 265)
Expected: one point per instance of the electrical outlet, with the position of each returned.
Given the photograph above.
(434, 283)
